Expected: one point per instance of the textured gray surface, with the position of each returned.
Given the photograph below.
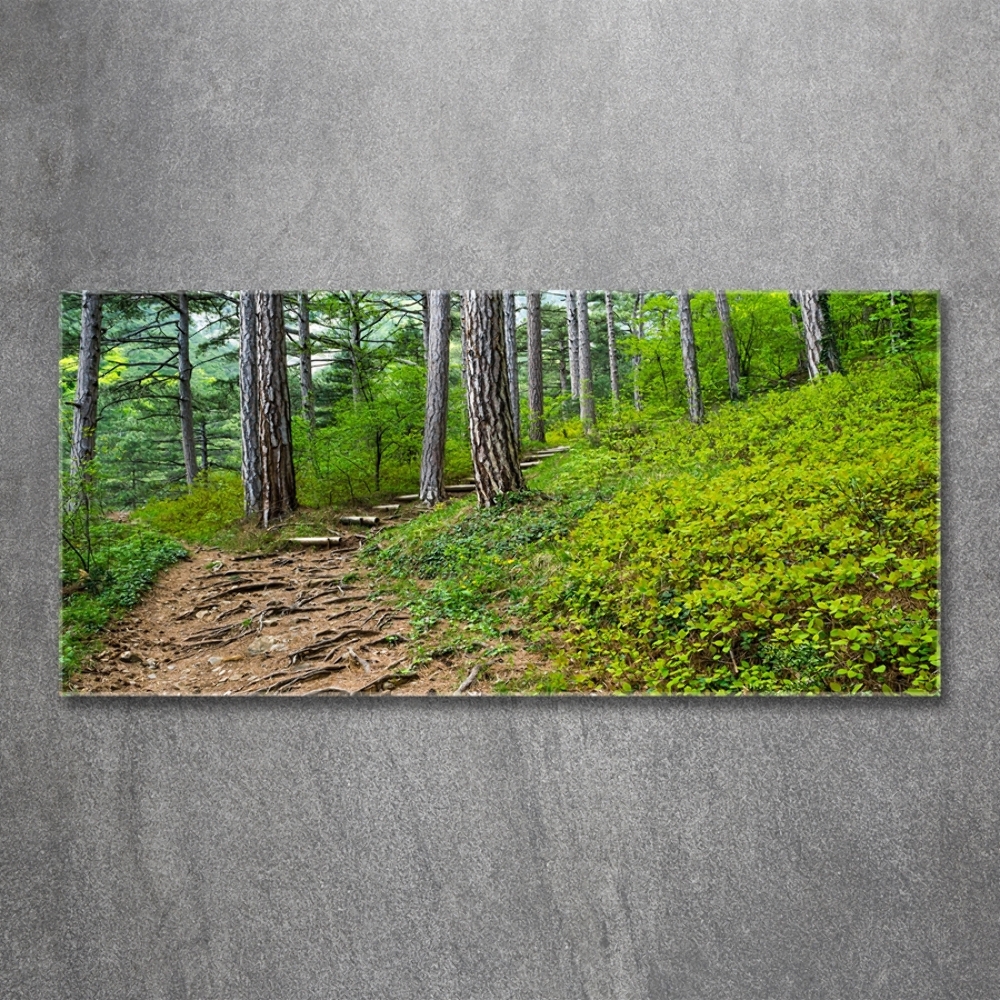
(549, 849)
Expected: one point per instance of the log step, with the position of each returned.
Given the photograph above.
(461, 488)
(353, 519)
(409, 497)
(390, 507)
(321, 540)
(529, 465)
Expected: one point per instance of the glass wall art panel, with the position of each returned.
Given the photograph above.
(492, 493)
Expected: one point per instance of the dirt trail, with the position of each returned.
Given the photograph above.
(297, 622)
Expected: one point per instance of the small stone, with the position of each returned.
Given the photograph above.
(128, 656)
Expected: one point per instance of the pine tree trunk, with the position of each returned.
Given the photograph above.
(356, 384)
(689, 355)
(491, 425)
(510, 349)
(305, 362)
(729, 342)
(829, 355)
(812, 330)
(612, 346)
(588, 412)
(432, 489)
(640, 300)
(184, 388)
(85, 401)
(536, 396)
(277, 473)
(425, 316)
(203, 427)
(249, 406)
(573, 345)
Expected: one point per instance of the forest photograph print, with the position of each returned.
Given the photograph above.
(383, 493)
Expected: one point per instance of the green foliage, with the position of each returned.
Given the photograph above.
(123, 561)
(790, 544)
(209, 512)
(787, 545)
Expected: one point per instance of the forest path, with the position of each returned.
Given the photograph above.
(300, 621)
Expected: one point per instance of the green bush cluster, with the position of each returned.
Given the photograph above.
(209, 513)
(790, 544)
(123, 561)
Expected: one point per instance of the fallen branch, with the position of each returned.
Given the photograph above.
(327, 540)
(469, 681)
(390, 675)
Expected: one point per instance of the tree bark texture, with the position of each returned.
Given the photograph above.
(573, 342)
(510, 349)
(536, 396)
(830, 355)
(305, 361)
(355, 322)
(184, 388)
(729, 343)
(609, 307)
(491, 426)
(277, 472)
(640, 301)
(249, 406)
(812, 330)
(436, 413)
(85, 400)
(588, 412)
(696, 410)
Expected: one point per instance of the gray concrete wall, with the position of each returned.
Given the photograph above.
(506, 848)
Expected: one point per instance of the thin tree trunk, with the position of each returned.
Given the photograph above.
(612, 346)
(510, 349)
(696, 410)
(203, 427)
(812, 330)
(830, 355)
(277, 472)
(640, 300)
(436, 414)
(572, 340)
(491, 425)
(588, 412)
(536, 395)
(355, 348)
(729, 342)
(425, 316)
(249, 406)
(85, 400)
(305, 362)
(184, 388)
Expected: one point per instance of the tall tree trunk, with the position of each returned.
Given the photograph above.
(612, 346)
(356, 385)
(249, 405)
(729, 342)
(588, 412)
(696, 410)
(818, 356)
(305, 362)
(203, 428)
(425, 316)
(510, 349)
(436, 414)
(640, 301)
(491, 425)
(277, 472)
(85, 401)
(184, 388)
(573, 342)
(536, 395)
(829, 355)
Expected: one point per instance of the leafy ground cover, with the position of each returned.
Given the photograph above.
(788, 545)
